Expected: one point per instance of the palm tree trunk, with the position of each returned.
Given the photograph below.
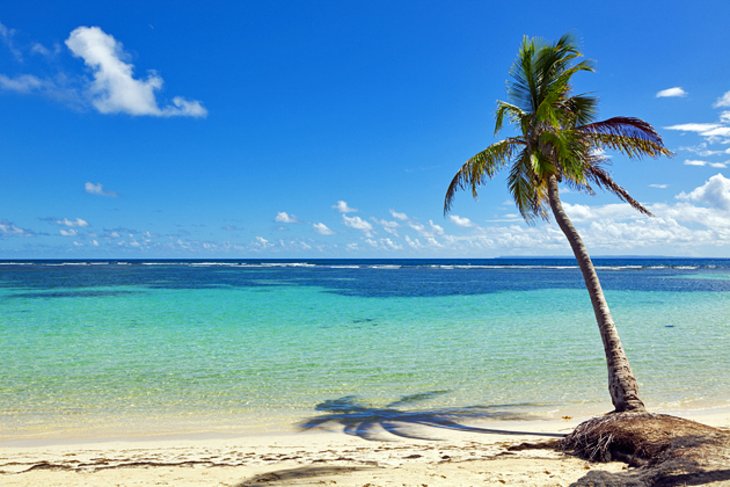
(621, 381)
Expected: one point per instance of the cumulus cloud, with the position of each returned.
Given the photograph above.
(715, 193)
(358, 224)
(77, 222)
(70, 232)
(461, 221)
(398, 215)
(343, 207)
(673, 92)
(322, 229)
(114, 88)
(98, 189)
(284, 217)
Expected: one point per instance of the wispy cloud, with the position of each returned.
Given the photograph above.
(384, 244)
(76, 222)
(10, 229)
(674, 92)
(723, 101)
(7, 37)
(98, 189)
(284, 217)
(114, 88)
(343, 207)
(694, 127)
(68, 232)
(658, 185)
(24, 83)
(322, 229)
(398, 215)
(700, 163)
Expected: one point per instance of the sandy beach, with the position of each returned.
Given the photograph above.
(311, 458)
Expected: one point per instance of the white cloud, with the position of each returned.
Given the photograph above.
(78, 222)
(262, 243)
(38, 48)
(98, 189)
(435, 228)
(7, 37)
(419, 228)
(322, 229)
(114, 88)
(358, 224)
(24, 83)
(389, 226)
(659, 186)
(68, 232)
(284, 217)
(717, 132)
(398, 215)
(723, 101)
(675, 91)
(9, 229)
(700, 163)
(715, 193)
(413, 243)
(342, 207)
(384, 244)
(461, 221)
(693, 127)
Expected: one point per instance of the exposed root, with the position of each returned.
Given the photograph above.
(666, 448)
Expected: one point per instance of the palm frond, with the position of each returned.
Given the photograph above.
(632, 136)
(602, 179)
(523, 185)
(522, 87)
(582, 108)
(480, 167)
(514, 112)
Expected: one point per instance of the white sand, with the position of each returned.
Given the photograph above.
(312, 458)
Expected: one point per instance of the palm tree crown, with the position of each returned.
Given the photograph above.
(557, 135)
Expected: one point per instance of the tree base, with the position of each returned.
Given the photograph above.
(666, 449)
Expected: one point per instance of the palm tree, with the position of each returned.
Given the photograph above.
(557, 142)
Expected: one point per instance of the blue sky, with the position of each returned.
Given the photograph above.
(331, 129)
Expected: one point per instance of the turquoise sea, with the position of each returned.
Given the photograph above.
(136, 348)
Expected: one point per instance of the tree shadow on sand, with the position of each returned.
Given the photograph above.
(376, 423)
(295, 476)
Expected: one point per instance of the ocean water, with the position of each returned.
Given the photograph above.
(136, 348)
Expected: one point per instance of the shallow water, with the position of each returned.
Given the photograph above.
(159, 346)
